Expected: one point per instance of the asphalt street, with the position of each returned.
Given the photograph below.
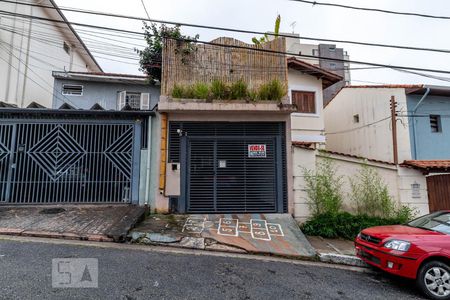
(26, 273)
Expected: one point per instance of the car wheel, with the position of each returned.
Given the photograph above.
(434, 280)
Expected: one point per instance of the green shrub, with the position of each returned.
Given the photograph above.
(264, 92)
(239, 90)
(178, 91)
(344, 225)
(277, 90)
(200, 90)
(273, 90)
(219, 90)
(253, 95)
(370, 196)
(324, 188)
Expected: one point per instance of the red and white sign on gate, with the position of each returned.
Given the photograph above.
(257, 151)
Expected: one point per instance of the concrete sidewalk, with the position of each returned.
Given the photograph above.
(336, 251)
(83, 222)
(273, 234)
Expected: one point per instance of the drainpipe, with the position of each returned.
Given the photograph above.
(414, 120)
(149, 157)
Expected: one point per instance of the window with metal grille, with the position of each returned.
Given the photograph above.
(133, 100)
(305, 101)
(435, 123)
(72, 90)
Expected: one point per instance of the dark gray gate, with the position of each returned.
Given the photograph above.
(58, 161)
(217, 174)
(222, 177)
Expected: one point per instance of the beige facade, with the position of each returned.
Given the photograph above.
(406, 186)
(358, 122)
(220, 111)
(30, 50)
(307, 127)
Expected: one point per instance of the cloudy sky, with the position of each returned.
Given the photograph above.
(259, 15)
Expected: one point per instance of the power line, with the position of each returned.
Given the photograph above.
(110, 52)
(145, 9)
(357, 128)
(275, 52)
(98, 13)
(31, 79)
(426, 75)
(373, 9)
(57, 43)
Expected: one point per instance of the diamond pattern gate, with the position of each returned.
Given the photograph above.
(69, 162)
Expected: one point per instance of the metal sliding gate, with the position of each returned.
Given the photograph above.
(58, 161)
(230, 167)
(221, 176)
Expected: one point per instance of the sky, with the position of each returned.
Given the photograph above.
(311, 21)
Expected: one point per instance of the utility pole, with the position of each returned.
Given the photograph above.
(394, 128)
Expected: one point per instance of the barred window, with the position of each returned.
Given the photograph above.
(72, 90)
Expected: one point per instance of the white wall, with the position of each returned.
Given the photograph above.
(370, 137)
(302, 159)
(399, 181)
(30, 54)
(307, 127)
(348, 167)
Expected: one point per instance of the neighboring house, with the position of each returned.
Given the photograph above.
(359, 122)
(119, 92)
(76, 156)
(323, 51)
(30, 50)
(110, 91)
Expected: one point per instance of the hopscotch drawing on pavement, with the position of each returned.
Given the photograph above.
(258, 229)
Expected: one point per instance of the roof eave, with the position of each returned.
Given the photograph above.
(76, 34)
(328, 78)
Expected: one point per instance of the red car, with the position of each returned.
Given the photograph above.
(418, 250)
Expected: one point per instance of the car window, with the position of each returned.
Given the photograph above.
(443, 218)
(439, 222)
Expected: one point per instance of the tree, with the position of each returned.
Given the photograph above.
(151, 57)
(265, 38)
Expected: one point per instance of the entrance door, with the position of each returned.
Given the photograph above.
(233, 175)
(438, 192)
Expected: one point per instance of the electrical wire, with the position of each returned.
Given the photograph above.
(101, 50)
(31, 79)
(267, 51)
(373, 9)
(357, 128)
(98, 13)
(145, 9)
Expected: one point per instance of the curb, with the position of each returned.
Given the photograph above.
(57, 235)
(341, 259)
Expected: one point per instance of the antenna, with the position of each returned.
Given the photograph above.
(293, 24)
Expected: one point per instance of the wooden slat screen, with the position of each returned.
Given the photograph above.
(229, 64)
(305, 101)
